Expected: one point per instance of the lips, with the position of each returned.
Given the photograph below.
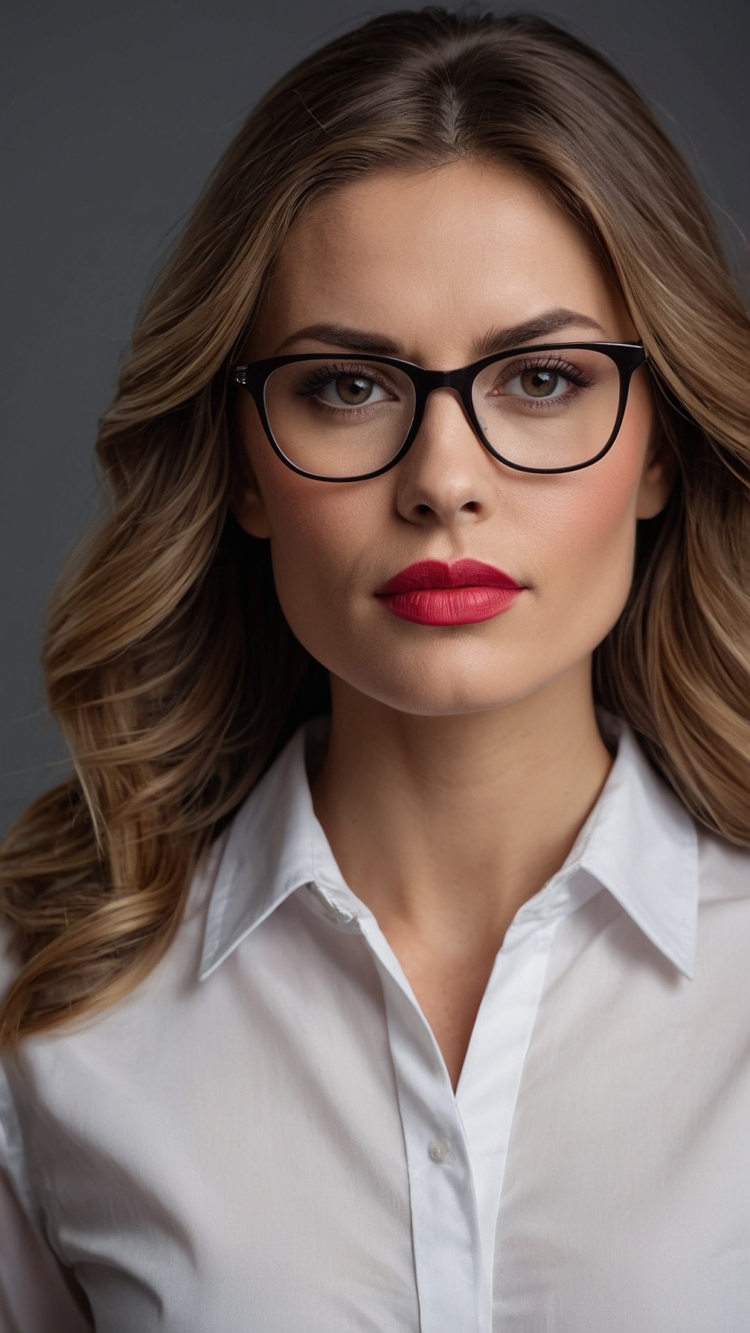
(431, 592)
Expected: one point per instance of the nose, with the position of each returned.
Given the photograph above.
(447, 476)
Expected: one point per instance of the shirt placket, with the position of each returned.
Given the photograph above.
(445, 1228)
(445, 1231)
(487, 1093)
(452, 1222)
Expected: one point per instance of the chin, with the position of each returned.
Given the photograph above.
(441, 692)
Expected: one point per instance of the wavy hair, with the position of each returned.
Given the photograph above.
(169, 663)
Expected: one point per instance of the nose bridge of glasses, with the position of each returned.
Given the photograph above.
(429, 380)
(457, 382)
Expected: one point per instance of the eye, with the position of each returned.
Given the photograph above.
(538, 382)
(353, 390)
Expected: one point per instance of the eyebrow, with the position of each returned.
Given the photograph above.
(541, 326)
(496, 340)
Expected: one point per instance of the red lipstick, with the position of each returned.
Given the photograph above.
(433, 593)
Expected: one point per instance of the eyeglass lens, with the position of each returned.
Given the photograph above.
(347, 417)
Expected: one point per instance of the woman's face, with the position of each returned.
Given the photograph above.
(432, 265)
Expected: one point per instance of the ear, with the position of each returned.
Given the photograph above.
(245, 499)
(658, 478)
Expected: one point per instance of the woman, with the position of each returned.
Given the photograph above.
(431, 1015)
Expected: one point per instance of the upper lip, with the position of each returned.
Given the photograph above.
(437, 574)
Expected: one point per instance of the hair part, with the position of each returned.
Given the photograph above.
(170, 667)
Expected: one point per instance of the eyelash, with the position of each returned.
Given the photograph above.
(564, 368)
(319, 379)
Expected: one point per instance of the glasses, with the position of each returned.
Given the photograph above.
(548, 408)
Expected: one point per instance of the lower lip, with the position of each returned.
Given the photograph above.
(450, 606)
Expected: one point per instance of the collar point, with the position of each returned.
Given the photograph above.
(687, 967)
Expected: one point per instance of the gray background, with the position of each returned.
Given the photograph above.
(114, 112)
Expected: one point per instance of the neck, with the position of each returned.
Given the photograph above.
(449, 824)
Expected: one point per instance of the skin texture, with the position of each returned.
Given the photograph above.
(464, 759)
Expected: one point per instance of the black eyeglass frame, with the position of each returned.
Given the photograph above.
(255, 375)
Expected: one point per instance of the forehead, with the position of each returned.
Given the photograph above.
(460, 245)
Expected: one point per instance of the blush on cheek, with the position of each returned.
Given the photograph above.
(586, 551)
(311, 561)
(603, 499)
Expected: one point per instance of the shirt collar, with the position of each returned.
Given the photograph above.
(639, 843)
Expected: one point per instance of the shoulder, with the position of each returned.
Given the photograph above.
(51, 1075)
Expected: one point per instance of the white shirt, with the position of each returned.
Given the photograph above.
(264, 1137)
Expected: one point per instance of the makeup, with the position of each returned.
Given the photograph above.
(431, 592)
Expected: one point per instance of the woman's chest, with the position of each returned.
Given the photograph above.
(288, 1152)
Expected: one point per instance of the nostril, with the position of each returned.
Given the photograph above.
(471, 506)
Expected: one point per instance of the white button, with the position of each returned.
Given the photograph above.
(439, 1150)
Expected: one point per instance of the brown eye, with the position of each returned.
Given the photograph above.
(539, 383)
(353, 389)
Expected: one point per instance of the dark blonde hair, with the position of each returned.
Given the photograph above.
(169, 664)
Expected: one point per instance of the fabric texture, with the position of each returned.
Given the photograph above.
(264, 1136)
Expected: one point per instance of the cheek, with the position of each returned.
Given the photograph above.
(300, 512)
(322, 544)
(319, 538)
(316, 529)
(589, 526)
